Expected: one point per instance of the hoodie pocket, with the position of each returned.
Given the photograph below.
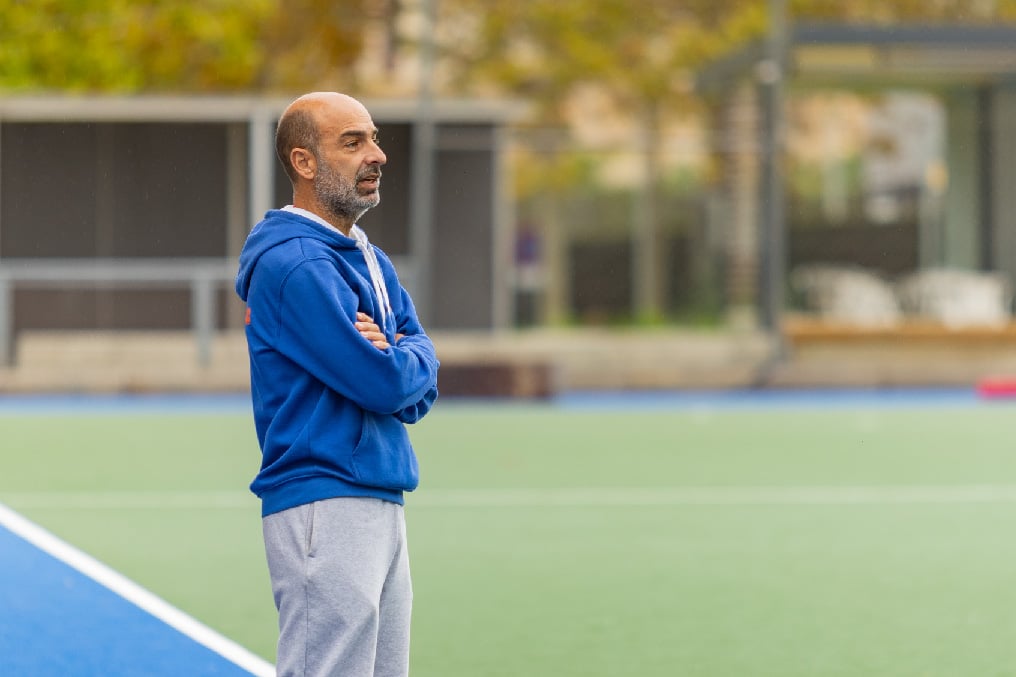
(384, 457)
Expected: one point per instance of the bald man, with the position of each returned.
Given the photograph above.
(339, 365)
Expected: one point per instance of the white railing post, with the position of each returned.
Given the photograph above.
(203, 316)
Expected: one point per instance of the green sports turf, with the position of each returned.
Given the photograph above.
(559, 543)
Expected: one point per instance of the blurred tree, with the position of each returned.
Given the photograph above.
(189, 46)
(120, 45)
(643, 56)
(307, 44)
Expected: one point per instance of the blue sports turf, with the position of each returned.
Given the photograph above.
(57, 621)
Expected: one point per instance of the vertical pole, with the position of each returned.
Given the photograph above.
(261, 166)
(423, 165)
(986, 140)
(237, 201)
(774, 236)
(503, 292)
(556, 260)
(203, 315)
(646, 242)
(105, 216)
(237, 179)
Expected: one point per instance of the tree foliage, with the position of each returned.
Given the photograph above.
(641, 51)
(311, 43)
(643, 56)
(162, 45)
(647, 51)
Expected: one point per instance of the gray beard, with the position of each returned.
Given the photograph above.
(341, 197)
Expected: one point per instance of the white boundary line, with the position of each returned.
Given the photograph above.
(550, 497)
(590, 497)
(134, 593)
(133, 500)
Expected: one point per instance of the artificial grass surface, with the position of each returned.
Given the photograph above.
(572, 542)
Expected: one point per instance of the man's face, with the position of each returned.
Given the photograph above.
(348, 197)
(348, 179)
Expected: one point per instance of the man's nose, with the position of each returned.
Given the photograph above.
(376, 156)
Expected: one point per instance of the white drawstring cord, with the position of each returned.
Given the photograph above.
(376, 277)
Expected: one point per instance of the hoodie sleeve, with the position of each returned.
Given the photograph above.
(316, 330)
(414, 338)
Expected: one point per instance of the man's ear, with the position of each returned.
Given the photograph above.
(303, 162)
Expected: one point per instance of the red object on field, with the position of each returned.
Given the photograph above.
(997, 387)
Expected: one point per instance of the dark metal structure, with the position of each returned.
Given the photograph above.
(971, 69)
(92, 189)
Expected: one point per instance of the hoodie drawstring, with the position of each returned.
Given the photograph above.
(376, 277)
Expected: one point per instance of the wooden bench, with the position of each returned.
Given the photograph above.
(805, 331)
(520, 379)
(911, 353)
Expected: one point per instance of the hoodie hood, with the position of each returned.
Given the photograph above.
(277, 227)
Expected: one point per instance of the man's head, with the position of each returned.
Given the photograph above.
(327, 144)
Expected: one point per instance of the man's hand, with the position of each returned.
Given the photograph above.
(370, 331)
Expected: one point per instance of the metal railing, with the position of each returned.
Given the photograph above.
(202, 275)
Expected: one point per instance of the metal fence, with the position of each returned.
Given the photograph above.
(202, 275)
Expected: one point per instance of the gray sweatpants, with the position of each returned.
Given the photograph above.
(340, 576)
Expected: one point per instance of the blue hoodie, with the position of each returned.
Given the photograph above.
(329, 407)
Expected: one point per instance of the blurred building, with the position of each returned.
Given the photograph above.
(930, 188)
(129, 213)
